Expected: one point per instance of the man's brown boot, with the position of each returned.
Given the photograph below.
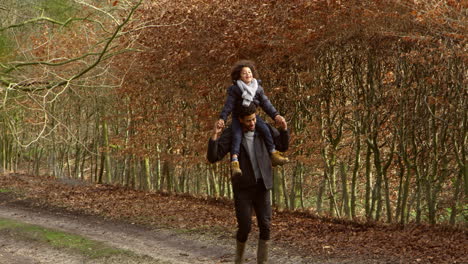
(262, 251)
(277, 159)
(235, 168)
(240, 249)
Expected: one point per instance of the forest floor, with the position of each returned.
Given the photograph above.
(40, 217)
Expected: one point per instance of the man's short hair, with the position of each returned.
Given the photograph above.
(247, 110)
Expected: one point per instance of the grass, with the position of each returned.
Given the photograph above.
(61, 240)
(5, 191)
(5, 46)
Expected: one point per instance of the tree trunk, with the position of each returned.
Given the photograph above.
(276, 194)
(354, 183)
(455, 199)
(285, 190)
(106, 153)
(147, 168)
(344, 190)
(292, 193)
(369, 183)
(321, 190)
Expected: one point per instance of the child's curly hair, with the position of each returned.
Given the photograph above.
(236, 70)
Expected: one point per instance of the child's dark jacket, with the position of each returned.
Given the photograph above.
(234, 102)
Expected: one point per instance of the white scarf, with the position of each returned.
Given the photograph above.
(248, 91)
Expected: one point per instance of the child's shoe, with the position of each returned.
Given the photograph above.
(277, 159)
(235, 168)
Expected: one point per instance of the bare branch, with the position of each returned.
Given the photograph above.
(102, 55)
(101, 10)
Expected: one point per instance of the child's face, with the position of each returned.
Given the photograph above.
(246, 75)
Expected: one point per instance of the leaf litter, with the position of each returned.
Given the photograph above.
(318, 237)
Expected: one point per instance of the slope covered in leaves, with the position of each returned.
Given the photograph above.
(319, 237)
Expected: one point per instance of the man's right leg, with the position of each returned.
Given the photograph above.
(240, 249)
(262, 207)
(243, 206)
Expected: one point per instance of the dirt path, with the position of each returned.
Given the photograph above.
(163, 228)
(162, 245)
(159, 244)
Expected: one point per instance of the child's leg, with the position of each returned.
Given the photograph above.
(262, 127)
(236, 138)
(235, 146)
(276, 157)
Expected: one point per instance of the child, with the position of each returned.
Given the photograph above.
(247, 90)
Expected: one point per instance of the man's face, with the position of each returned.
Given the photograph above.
(248, 122)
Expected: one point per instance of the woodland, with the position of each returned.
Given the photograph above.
(126, 93)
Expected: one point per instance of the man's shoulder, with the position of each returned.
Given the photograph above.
(273, 130)
(227, 131)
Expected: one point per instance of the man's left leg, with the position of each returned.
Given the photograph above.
(243, 206)
(262, 207)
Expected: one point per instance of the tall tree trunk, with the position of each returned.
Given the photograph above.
(101, 168)
(418, 196)
(369, 184)
(354, 180)
(455, 199)
(276, 194)
(401, 176)
(321, 190)
(292, 193)
(301, 185)
(106, 153)
(212, 180)
(157, 178)
(285, 190)
(344, 190)
(147, 168)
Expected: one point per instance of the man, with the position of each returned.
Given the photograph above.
(251, 188)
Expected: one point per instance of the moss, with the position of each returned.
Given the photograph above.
(61, 240)
(5, 46)
(60, 10)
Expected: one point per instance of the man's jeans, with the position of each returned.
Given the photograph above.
(253, 199)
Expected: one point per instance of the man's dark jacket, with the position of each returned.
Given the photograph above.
(219, 148)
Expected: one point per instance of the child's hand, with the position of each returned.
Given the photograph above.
(220, 123)
(281, 122)
(217, 129)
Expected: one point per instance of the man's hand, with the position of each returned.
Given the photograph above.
(218, 128)
(281, 122)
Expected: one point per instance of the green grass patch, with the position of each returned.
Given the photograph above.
(6, 47)
(62, 240)
(5, 191)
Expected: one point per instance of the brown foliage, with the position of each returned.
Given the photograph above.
(178, 81)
